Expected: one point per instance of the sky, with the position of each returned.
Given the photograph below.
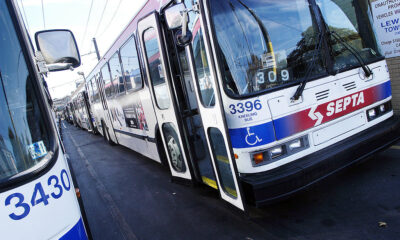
(74, 15)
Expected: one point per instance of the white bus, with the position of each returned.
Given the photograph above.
(258, 99)
(37, 195)
(81, 109)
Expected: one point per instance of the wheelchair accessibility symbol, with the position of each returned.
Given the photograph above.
(251, 138)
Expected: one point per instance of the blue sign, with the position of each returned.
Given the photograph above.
(252, 136)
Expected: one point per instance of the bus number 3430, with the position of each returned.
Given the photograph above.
(38, 195)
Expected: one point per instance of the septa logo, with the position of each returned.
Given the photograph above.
(311, 117)
(337, 107)
(344, 103)
(315, 116)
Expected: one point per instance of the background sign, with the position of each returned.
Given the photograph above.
(386, 16)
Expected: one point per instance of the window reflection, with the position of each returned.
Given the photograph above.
(116, 74)
(130, 64)
(263, 44)
(350, 19)
(156, 68)
(202, 69)
(108, 86)
(24, 137)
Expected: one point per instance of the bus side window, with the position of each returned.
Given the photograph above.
(116, 74)
(108, 87)
(95, 91)
(202, 69)
(131, 66)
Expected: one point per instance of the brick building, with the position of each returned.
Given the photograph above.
(394, 71)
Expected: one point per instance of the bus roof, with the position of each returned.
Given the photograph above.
(148, 7)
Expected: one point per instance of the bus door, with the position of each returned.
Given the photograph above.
(106, 114)
(192, 125)
(212, 115)
(162, 95)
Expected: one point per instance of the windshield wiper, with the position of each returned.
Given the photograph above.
(366, 69)
(328, 32)
(310, 68)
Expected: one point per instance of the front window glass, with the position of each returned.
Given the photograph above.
(350, 19)
(24, 136)
(264, 43)
(130, 63)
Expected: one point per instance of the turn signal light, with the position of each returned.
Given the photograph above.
(78, 193)
(258, 158)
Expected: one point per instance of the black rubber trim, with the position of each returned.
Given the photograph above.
(153, 140)
(282, 182)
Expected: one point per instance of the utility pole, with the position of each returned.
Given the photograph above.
(96, 49)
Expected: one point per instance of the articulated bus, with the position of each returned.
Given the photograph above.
(257, 99)
(81, 109)
(37, 194)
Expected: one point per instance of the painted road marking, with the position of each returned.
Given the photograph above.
(64, 125)
(395, 147)
(116, 214)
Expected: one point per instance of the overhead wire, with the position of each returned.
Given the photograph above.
(44, 20)
(101, 18)
(112, 18)
(26, 19)
(87, 23)
(66, 83)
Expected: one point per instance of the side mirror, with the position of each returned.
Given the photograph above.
(173, 16)
(182, 39)
(177, 17)
(58, 48)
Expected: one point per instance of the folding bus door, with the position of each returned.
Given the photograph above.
(208, 94)
(162, 96)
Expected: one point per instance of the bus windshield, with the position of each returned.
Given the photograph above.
(24, 136)
(264, 44)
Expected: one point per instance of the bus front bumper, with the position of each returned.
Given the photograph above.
(279, 183)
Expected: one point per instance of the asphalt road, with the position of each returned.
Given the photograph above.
(128, 196)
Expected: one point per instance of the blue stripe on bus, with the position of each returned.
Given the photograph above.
(77, 232)
(252, 136)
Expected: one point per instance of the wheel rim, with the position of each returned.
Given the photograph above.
(175, 154)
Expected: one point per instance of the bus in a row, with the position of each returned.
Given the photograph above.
(257, 99)
(82, 117)
(38, 198)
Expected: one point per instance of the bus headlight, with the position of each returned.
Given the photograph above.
(278, 152)
(296, 144)
(371, 113)
(378, 111)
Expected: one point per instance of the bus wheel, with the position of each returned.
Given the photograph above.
(175, 154)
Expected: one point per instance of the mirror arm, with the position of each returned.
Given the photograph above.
(41, 63)
(184, 22)
(60, 66)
